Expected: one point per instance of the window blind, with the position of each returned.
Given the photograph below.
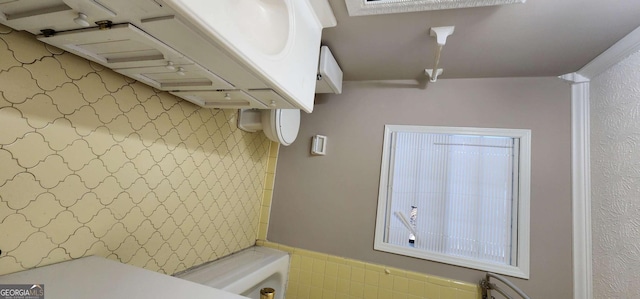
(455, 193)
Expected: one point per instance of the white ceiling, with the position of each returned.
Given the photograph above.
(537, 38)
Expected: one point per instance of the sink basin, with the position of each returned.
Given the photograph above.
(277, 40)
(265, 24)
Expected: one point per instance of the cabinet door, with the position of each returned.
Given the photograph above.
(270, 98)
(121, 46)
(226, 99)
(172, 77)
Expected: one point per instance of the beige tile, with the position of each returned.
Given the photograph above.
(448, 293)
(385, 293)
(48, 73)
(71, 95)
(344, 272)
(62, 227)
(74, 66)
(126, 175)
(7, 60)
(86, 208)
(371, 277)
(5, 211)
(114, 81)
(14, 229)
(357, 274)
(416, 287)
(121, 205)
(70, 190)
(138, 118)
(439, 281)
(386, 281)
(400, 284)
(433, 291)
(17, 85)
(9, 166)
(33, 250)
(91, 87)
(370, 292)
(12, 125)
(465, 286)
(317, 279)
(356, 289)
(84, 120)
(99, 140)
(20, 191)
(54, 256)
(106, 108)
(9, 265)
(133, 219)
(39, 111)
(138, 190)
(30, 150)
(77, 155)
(93, 173)
(80, 242)
(41, 214)
(152, 104)
(460, 294)
(23, 48)
(416, 276)
(343, 287)
(127, 249)
(102, 223)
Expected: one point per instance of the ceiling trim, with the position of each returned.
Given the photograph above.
(612, 56)
(376, 7)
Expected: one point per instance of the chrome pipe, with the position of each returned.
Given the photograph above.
(487, 286)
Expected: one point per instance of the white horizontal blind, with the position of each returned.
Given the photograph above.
(460, 189)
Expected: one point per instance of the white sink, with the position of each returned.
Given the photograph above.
(265, 24)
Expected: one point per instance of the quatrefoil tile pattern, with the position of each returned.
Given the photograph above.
(94, 163)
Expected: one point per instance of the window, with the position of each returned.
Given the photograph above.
(456, 195)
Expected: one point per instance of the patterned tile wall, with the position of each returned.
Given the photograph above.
(314, 275)
(93, 163)
(268, 191)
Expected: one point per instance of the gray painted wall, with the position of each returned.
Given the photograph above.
(328, 204)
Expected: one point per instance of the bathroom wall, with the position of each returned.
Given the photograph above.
(332, 199)
(315, 275)
(615, 184)
(93, 163)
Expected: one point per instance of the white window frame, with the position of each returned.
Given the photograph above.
(521, 267)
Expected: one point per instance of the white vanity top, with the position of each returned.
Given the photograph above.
(98, 278)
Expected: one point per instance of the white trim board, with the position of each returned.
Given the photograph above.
(581, 191)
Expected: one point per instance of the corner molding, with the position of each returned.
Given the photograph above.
(616, 53)
(581, 186)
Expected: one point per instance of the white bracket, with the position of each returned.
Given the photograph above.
(432, 77)
(441, 34)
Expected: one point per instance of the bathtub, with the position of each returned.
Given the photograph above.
(245, 272)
